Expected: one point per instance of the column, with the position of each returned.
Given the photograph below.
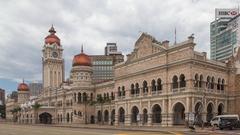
(149, 123)
(127, 115)
(164, 114)
(170, 114)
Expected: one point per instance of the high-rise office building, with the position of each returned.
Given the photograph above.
(35, 88)
(2, 96)
(223, 33)
(13, 95)
(103, 64)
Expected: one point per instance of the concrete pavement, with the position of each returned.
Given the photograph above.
(10, 129)
(82, 129)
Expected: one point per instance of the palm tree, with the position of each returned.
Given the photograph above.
(87, 101)
(15, 111)
(36, 107)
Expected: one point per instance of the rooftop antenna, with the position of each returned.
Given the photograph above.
(238, 8)
(175, 36)
(82, 49)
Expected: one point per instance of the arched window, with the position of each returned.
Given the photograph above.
(104, 96)
(68, 117)
(153, 85)
(201, 81)
(208, 82)
(159, 84)
(182, 81)
(119, 92)
(58, 118)
(156, 114)
(145, 116)
(79, 97)
(220, 109)
(121, 114)
(222, 85)
(75, 112)
(137, 88)
(132, 89)
(145, 87)
(175, 82)
(113, 117)
(196, 81)
(84, 97)
(75, 97)
(212, 83)
(219, 84)
(91, 97)
(135, 113)
(123, 91)
(79, 113)
(106, 116)
(108, 96)
(99, 116)
(112, 96)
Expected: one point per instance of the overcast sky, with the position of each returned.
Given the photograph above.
(24, 25)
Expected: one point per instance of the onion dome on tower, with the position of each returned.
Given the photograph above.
(23, 87)
(81, 59)
(52, 38)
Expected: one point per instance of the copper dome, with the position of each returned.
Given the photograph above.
(23, 87)
(52, 38)
(81, 60)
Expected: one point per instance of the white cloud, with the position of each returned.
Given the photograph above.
(24, 25)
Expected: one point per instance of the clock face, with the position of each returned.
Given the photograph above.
(55, 54)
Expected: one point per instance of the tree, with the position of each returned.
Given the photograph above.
(15, 111)
(87, 101)
(36, 107)
(2, 111)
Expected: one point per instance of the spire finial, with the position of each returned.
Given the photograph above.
(23, 80)
(52, 30)
(82, 49)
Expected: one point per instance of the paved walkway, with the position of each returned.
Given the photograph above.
(174, 129)
(130, 130)
(134, 128)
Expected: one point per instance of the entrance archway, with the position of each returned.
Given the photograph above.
(135, 113)
(156, 114)
(45, 118)
(198, 113)
(92, 121)
(68, 118)
(121, 115)
(145, 116)
(178, 114)
(99, 116)
(112, 116)
(220, 109)
(106, 116)
(209, 112)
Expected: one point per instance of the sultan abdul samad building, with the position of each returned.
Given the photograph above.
(158, 84)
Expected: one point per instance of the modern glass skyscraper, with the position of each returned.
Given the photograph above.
(223, 34)
(103, 64)
(35, 88)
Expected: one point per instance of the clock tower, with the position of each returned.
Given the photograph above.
(53, 63)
